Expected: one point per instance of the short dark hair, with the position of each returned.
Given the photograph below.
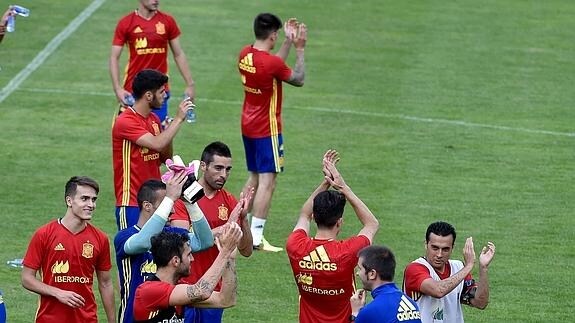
(147, 80)
(328, 208)
(379, 258)
(216, 148)
(149, 191)
(166, 245)
(75, 181)
(265, 24)
(440, 228)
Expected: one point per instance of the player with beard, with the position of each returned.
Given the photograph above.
(161, 298)
(216, 164)
(139, 145)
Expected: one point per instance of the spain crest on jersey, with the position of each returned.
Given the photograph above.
(160, 28)
(87, 250)
(223, 213)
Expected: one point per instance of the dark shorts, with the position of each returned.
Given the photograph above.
(264, 155)
(203, 315)
(126, 216)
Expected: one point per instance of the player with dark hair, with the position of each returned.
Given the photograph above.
(134, 260)
(67, 252)
(322, 265)
(161, 298)
(440, 285)
(139, 146)
(262, 75)
(148, 32)
(216, 165)
(376, 269)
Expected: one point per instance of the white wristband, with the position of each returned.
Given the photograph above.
(165, 208)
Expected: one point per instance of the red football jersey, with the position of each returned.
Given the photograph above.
(217, 211)
(68, 261)
(148, 42)
(152, 303)
(262, 75)
(416, 273)
(324, 274)
(133, 165)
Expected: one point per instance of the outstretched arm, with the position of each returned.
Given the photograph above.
(306, 212)
(365, 216)
(140, 242)
(298, 74)
(227, 296)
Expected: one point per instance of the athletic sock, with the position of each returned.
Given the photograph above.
(257, 230)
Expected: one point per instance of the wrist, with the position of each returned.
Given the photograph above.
(300, 49)
(165, 208)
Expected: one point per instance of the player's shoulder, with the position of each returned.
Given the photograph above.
(97, 231)
(415, 267)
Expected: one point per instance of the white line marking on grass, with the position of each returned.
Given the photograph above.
(353, 112)
(49, 49)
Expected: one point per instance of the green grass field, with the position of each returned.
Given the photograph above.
(453, 110)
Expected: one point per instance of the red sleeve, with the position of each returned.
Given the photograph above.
(173, 29)
(120, 34)
(414, 275)
(151, 296)
(34, 254)
(180, 212)
(129, 128)
(353, 245)
(295, 241)
(104, 262)
(279, 68)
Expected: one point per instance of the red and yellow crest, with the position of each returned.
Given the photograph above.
(160, 28)
(87, 250)
(156, 128)
(223, 213)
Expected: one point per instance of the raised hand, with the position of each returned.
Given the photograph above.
(301, 36)
(487, 254)
(332, 175)
(469, 252)
(357, 300)
(174, 185)
(229, 238)
(290, 28)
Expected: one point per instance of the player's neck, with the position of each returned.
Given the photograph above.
(145, 13)
(142, 108)
(326, 234)
(209, 192)
(262, 45)
(167, 275)
(73, 223)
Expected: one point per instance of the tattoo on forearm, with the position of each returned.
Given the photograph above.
(199, 290)
(299, 69)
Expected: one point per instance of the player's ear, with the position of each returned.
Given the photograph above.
(68, 201)
(203, 166)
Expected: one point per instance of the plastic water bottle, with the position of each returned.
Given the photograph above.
(11, 24)
(129, 99)
(191, 113)
(18, 10)
(16, 263)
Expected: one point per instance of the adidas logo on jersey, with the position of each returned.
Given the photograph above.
(317, 260)
(59, 247)
(247, 63)
(406, 310)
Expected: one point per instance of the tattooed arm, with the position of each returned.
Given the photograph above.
(227, 296)
(202, 290)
